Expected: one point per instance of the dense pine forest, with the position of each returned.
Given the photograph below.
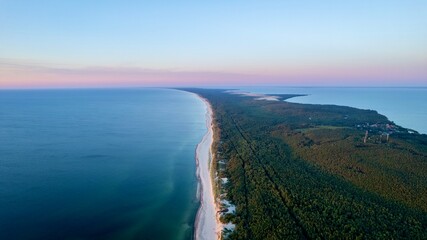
(300, 171)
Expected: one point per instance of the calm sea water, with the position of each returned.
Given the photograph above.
(407, 107)
(98, 164)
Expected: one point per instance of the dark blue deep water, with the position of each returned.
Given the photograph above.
(98, 164)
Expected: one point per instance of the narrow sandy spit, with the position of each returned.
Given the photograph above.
(207, 225)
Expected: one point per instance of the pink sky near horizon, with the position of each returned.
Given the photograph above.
(33, 76)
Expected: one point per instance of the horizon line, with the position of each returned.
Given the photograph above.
(201, 87)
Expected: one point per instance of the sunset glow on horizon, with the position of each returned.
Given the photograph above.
(51, 44)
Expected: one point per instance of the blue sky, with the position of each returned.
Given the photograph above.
(278, 39)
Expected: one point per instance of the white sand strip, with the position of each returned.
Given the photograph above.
(207, 225)
(257, 96)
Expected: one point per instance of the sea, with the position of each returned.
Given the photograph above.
(405, 106)
(99, 164)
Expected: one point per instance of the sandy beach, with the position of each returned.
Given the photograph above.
(207, 224)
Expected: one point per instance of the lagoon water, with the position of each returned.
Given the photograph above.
(407, 107)
(98, 164)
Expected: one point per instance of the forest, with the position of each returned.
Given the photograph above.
(301, 171)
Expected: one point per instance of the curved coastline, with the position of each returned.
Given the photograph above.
(207, 224)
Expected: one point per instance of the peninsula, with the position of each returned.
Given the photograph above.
(283, 170)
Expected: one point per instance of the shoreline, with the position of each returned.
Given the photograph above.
(207, 224)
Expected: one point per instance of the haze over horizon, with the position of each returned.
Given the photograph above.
(48, 44)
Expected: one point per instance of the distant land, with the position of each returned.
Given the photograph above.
(285, 170)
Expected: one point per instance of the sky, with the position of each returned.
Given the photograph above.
(123, 43)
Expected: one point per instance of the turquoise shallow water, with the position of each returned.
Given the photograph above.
(98, 164)
(405, 106)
